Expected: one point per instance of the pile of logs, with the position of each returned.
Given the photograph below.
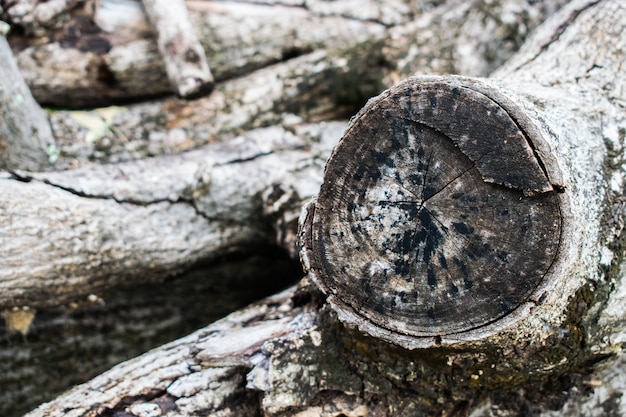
(139, 170)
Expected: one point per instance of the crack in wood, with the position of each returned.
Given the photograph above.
(180, 200)
(559, 31)
(434, 217)
(245, 159)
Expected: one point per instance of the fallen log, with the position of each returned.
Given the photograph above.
(115, 59)
(73, 233)
(312, 88)
(106, 329)
(565, 96)
(221, 387)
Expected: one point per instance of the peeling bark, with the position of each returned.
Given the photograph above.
(197, 374)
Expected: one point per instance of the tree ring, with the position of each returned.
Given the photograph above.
(437, 215)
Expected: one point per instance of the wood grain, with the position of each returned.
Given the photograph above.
(435, 217)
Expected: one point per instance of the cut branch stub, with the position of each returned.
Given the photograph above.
(436, 216)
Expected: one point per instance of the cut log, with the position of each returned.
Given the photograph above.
(433, 205)
(183, 56)
(116, 58)
(180, 380)
(26, 140)
(568, 85)
(314, 87)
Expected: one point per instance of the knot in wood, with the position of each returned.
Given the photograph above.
(438, 214)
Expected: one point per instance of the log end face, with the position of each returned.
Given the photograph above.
(411, 237)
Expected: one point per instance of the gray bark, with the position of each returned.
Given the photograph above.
(292, 351)
(26, 140)
(73, 233)
(342, 63)
(105, 329)
(118, 60)
(311, 88)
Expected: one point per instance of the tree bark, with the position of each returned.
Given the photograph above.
(568, 84)
(26, 140)
(116, 58)
(108, 328)
(319, 83)
(314, 87)
(73, 233)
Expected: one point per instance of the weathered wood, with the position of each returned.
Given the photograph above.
(580, 220)
(315, 366)
(26, 140)
(436, 216)
(117, 134)
(314, 87)
(36, 18)
(183, 55)
(69, 345)
(471, 38)
(178, 378)
(116, 58)
(73, 233)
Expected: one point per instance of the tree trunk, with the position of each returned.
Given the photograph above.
(293, 354)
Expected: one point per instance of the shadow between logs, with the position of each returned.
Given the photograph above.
(65, 347)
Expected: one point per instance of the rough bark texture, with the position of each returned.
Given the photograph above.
(198, 374)
(311, 87)
(320, 61)
(68, 345)
(26, 140)
(116, 57)
(72, 233)
(293, 353)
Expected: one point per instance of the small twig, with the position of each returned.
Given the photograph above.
(184, 58)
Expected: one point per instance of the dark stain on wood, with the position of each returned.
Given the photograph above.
(435, 216)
